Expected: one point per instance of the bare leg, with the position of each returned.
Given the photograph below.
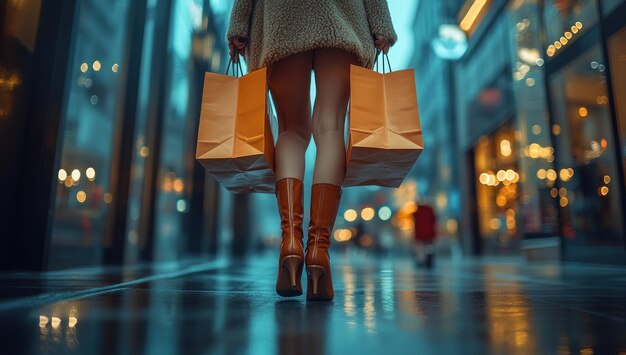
(290, 84)
(332, 78)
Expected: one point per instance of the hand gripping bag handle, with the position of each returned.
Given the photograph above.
(237, 70)
(385, 56)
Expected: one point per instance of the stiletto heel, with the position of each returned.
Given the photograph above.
(289, 275)
(294, 267)
(315, 273)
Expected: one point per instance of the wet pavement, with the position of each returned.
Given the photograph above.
(498, 306)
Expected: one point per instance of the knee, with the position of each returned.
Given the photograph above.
(331, 124)
(301, 134)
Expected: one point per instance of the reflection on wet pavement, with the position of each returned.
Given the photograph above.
(500, 306)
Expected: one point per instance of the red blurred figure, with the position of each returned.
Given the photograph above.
(425, 233)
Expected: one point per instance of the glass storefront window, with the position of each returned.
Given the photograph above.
(565, 21)
(177, 148)
(540, 216)
(497, 188)
(87, 139)
(617, 52)
(587, 190)
(141, 148)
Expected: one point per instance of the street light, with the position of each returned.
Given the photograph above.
(451, 43)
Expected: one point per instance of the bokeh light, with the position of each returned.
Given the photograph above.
(384, 213)
(367, 213)
(350, 215)
(62, 175)
(90, 173)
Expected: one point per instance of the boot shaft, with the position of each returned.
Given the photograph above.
(325, 200)
(324, 205)
(289, 195)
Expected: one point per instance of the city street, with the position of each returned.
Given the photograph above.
(497, 305)
(157, 156)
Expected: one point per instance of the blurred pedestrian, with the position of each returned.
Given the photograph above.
(292, 38)
(425, 222)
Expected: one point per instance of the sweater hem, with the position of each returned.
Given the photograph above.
(364, 61)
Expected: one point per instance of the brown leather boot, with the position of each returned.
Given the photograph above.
(324, 204)
(290, 205)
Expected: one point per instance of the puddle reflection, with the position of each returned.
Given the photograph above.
(302, 328)
(385, 309)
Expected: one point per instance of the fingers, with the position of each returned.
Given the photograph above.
(240, 42)
(233, 52)
(382, 44)
(235, 46)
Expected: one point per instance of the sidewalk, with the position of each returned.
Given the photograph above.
(488, 306)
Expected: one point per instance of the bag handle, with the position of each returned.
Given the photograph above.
(237, 70)
(385, 56)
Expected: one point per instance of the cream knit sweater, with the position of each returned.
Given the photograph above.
(278, 28)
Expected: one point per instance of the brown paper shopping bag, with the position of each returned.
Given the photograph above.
(385, 136)
(235, 142)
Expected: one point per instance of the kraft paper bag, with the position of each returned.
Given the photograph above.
(385, 135)
(235, 143)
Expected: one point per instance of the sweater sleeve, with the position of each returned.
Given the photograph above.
(240, 16)
(380, 20)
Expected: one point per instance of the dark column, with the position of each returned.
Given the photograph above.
(473, 244)
(241, 224)
(211, 215)
(29, 206)
(16, 63)
(124, 135)
(194, 218)
(156, 114)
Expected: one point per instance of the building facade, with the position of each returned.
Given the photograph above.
(99, 104)
(540, 127)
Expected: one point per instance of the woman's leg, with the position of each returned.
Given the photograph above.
(332, 78)
(290, 84)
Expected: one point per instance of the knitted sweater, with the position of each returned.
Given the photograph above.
(277, 28)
